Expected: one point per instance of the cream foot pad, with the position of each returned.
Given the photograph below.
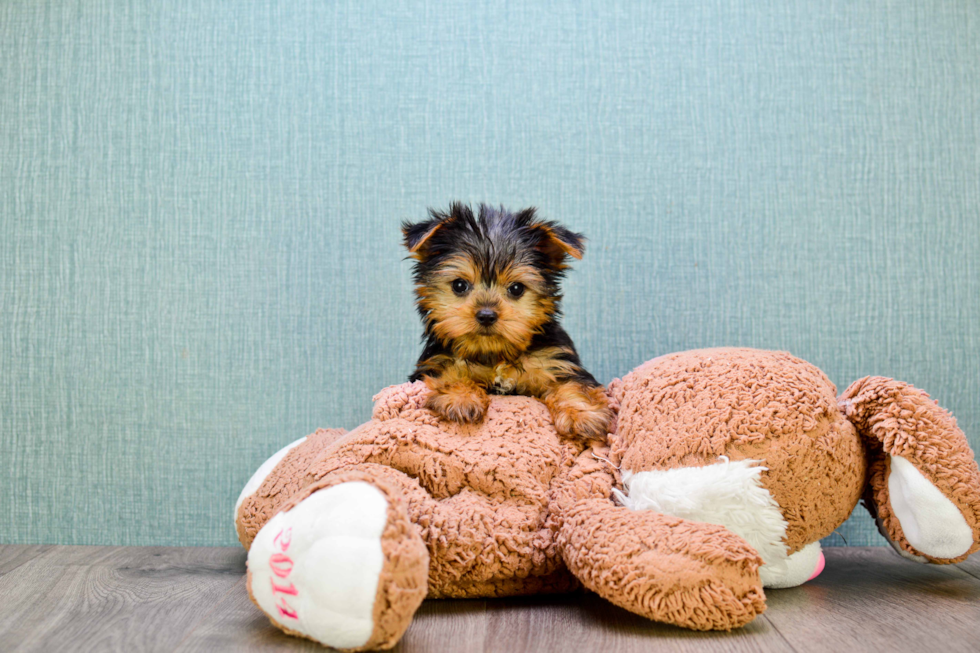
(315, 569)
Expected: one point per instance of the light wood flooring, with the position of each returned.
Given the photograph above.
(67, 598)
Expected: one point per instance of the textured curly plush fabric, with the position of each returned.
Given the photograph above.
(896, 419)
(402, 581)
(507, 507)
(696, 575)
(284, 480)
(691, 408)
(478, 493)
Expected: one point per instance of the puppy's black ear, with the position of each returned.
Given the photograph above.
(569, 242)
(416, 234)
(554, 241)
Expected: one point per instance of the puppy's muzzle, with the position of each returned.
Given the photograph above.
(486, 316)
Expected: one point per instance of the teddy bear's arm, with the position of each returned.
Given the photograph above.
(696, 575)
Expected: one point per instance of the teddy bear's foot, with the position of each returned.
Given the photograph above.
(343, 566)
(798, 568)
(924, 488)
(267, 489)
(930, 523)
(262, 473)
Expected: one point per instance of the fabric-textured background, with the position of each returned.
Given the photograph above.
(199, 203)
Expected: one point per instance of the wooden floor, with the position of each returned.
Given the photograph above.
(60, 598)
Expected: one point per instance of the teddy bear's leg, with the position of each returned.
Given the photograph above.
(924, 488)
(697, 575)
(276, 480)
(341, 563)
(263, 472)
(478, 545)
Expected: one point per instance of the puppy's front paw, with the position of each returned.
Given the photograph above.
(459, 402)
(579, 411)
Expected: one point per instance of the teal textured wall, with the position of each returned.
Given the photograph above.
(200, 204)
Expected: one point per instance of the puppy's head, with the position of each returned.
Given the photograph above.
(486, 284)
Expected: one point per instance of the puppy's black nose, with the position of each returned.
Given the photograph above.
(486, 316)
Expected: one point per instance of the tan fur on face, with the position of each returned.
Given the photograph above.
(453, 318)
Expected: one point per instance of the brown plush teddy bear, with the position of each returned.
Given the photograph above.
(722, 473)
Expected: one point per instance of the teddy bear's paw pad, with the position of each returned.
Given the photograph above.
(804, 565)
(262, 473)
(932, 524)
(895, 546)
(315, 569)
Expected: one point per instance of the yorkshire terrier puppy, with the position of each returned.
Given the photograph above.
(488, 292)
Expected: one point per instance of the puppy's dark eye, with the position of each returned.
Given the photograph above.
(515, 290)
(460, 287)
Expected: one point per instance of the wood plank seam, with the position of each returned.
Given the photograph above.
(14, 568)
(23, 562)
(967, 571)
(781, 636)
